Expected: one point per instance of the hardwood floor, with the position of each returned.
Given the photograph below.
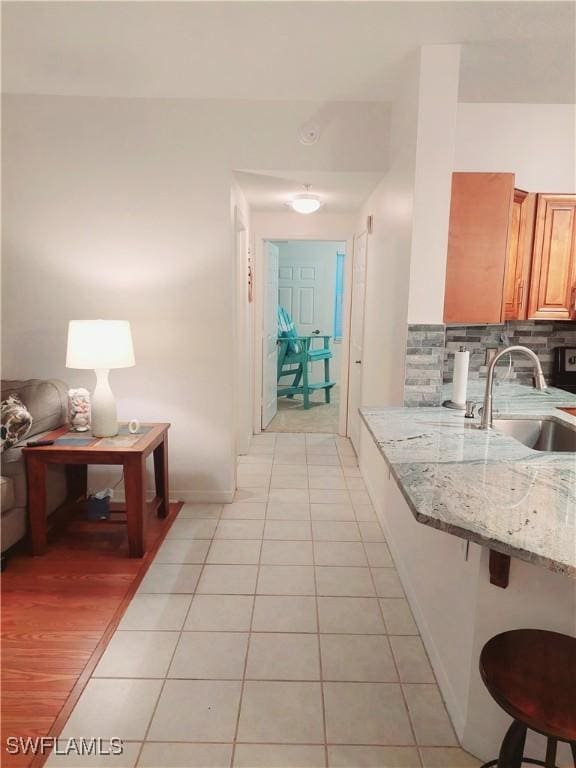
(57, 614)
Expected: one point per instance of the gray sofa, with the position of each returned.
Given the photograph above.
(47, 401)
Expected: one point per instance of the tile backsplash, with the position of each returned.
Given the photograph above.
(430, 353)
(538, 335)
(425, 346)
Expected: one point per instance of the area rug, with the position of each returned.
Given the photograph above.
(320, 417)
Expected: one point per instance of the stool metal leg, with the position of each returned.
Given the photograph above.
(512, 749)
(551, 753)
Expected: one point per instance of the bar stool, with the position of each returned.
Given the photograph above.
(531, 674)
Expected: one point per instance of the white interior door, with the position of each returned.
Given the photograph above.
(270, 334)
(356, 338)
(307, 293)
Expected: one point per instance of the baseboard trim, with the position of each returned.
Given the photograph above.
(211, 497)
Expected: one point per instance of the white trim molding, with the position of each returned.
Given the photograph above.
(211, 497)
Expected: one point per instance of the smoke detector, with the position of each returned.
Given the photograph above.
(309, 133)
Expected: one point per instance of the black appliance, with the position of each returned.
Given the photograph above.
(564, 373)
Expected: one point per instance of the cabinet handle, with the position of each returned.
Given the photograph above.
(520, 294)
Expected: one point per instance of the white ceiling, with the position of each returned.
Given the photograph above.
(339, 192)
(515, 51)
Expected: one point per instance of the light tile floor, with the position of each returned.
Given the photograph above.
(271, 632)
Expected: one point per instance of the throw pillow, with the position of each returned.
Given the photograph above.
(16, 421)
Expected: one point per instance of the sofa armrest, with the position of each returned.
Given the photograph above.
(46, 399)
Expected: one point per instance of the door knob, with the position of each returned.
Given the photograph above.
(358, 362)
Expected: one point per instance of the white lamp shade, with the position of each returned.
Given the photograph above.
(305, 203)
(99, 344)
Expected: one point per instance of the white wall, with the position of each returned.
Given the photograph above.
(437, 103)
(120, 208)
(111, 211)
(537, 142)
(388, 253)
(407, 250)
(325, 251)
(287, 225)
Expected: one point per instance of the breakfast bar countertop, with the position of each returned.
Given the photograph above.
(482, 485)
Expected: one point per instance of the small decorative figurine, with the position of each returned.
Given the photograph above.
(79, 409)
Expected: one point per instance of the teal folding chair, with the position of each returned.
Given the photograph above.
(295, 354)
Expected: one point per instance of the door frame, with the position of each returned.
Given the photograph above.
(244, 351)
(364, 233)
(269, 347)
(259, 256)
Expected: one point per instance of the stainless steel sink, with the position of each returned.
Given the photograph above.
(539, 434)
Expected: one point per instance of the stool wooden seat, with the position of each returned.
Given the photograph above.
(531, 674)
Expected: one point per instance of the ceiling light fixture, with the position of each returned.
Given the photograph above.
(305, 202)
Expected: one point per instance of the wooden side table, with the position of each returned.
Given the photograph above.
(131, 455)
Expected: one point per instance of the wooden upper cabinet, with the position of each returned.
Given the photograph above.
(519, 256)
(481, 211)
(553, 282)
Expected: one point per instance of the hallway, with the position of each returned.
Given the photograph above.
(272, 632)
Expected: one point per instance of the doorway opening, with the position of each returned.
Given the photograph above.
(304, 326)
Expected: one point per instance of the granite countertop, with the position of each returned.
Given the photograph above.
(482, 485)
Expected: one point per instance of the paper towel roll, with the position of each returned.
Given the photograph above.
(460, 379)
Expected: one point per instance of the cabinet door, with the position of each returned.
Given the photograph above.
(519, 257)
(553, 280)
(480, 212)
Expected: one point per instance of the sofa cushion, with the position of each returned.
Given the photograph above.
(14, 518)
(13, 455)
(47, 401)
(16, 421)
(6, 493)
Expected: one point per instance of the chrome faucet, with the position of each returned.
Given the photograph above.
(539, 380)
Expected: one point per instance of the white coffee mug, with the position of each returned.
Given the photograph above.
(134, 426)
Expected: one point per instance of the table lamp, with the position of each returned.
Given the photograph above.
(101, 345)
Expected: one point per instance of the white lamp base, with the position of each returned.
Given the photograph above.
(104, 415)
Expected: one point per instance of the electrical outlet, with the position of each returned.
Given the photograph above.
(490, 353)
